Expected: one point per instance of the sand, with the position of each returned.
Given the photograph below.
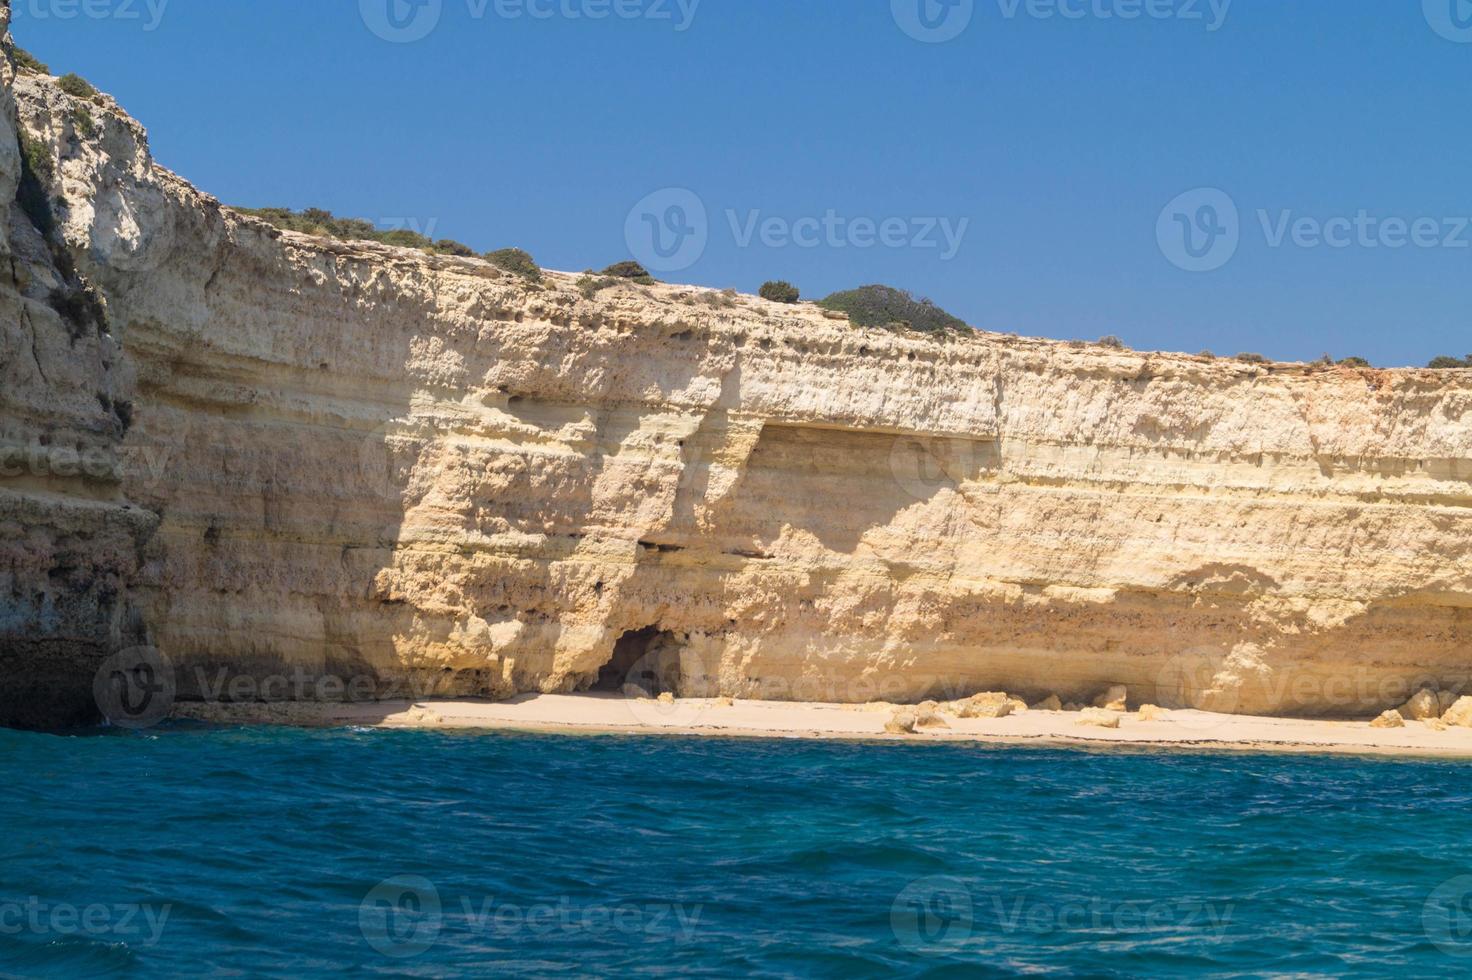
(613, 714)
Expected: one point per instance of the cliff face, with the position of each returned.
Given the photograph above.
(395, 473)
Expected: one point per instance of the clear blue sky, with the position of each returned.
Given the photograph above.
(1059, 139)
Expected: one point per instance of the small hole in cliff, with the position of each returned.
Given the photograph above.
(645, 663)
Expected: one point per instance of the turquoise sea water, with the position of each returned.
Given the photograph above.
(303, 854)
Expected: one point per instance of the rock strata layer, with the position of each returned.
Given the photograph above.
(325, 469)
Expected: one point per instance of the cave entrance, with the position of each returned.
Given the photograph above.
(647, 660)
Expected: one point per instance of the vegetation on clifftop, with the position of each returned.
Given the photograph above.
(25, 61)
(886, 306)
(1440, 363)
(516, 260)
(77, 86)
(780, 291)
(632, 271)
(324, 224)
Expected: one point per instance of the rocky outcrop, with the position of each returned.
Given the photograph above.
(70, 540)
(329, 469)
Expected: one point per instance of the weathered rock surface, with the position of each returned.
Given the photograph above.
(1460, 713)
(988, 705)
(902, 723)
(1422, 705)
(1389, 719)
(357, 468)
(1099, 718)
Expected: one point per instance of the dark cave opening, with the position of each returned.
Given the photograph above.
(643, 660)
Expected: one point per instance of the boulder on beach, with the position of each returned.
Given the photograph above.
(1389, 719)
(902, 723)
(1049, 703)
(1114, 699)
(1152, 712)
(1099, 718)
(990, 705)
(1459, 714)
(1422, 705)
(930, 719)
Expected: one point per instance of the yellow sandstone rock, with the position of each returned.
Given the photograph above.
(1422, 705)
(429, 474)
(902, 723)
(1460, 713)
(1099, 718)
(930, 719)
(1151, 712)
(985, 706)
(1049, 703)
(1114, 699)
(1389, 719)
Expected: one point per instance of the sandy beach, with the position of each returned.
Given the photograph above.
(611, 714)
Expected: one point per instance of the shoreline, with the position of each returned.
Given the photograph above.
(597, 714)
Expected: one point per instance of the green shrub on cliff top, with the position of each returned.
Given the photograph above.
(591, 286)
(886, 306)
(780, 291)
(325, 224)
(75, 85)
(517, 261)
(1443, 363)
(629, 270)
(25, 61)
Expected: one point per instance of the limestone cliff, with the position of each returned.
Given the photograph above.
(349, 461)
